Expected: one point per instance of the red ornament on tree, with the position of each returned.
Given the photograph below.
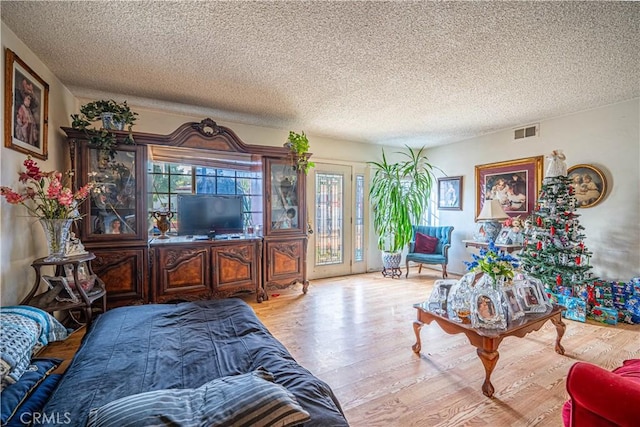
(581, 246)
(552, 230)
(558, 280)
(566, 227)
(539, 245)
(578, 260)
(571, 190)
(539, 221)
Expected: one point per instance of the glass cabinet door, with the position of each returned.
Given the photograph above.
(284, 213)
(114, 208)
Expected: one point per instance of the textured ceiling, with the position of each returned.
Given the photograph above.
(421, 73)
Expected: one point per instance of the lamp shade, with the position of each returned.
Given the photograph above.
(492, 211)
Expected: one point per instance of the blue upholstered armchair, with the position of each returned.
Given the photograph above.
(426, 250)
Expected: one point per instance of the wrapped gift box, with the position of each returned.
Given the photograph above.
(605, 315)
(632, 305)
(619, 301)
(557, 299)
(565, 290)
(581, 292)
(576, 309)
(622, 288)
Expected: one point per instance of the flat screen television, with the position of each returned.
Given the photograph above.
(209, 214)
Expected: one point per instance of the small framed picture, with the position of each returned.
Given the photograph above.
(513, 303)
(504, 237)
(450, 193)
(26, 101)
(60, 285)
(532, 296)
(486, 309)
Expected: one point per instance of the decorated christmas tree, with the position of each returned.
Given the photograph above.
(554, 249)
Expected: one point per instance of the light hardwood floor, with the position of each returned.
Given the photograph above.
(356, 333)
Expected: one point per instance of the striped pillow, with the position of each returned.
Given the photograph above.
(250, 399)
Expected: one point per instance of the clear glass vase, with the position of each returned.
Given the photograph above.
(57, 233)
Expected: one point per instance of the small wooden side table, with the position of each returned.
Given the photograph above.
(47, 301)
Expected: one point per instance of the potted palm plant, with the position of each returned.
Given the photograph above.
(112, 115)
(399, 194)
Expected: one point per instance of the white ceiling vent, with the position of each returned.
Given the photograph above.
(528, 131)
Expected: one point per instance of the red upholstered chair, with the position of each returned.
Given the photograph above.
(600, 398)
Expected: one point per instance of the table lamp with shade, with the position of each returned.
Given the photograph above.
(489, 226)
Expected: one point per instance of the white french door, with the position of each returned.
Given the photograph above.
(336, 246)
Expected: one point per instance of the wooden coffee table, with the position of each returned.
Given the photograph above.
(487, 341)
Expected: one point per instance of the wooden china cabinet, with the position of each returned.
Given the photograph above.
(285, 229)
(114, 225)
(138, 268)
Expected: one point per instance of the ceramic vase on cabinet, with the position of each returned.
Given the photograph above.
(162, 222)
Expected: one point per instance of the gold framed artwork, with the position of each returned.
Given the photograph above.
(26, 100)
(515, 183)
(589, 185)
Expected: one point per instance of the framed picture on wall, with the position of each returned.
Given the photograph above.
(515, 183)
(450, 193)
(589, 185)
(26, 108)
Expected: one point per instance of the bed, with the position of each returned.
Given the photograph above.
(189, 352)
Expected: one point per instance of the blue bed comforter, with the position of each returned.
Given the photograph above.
(130, 350)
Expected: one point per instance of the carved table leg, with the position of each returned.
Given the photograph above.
(560, 328)
(417, 325)
(489, 360)
(305, 286)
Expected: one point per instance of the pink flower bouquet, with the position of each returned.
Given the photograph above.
(44, 194)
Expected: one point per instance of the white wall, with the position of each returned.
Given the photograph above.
(21, 237)
(608, 138)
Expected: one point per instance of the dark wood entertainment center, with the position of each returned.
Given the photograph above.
(139, 268)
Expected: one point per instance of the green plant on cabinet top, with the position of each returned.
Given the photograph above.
(114, 116)
(298, 143)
